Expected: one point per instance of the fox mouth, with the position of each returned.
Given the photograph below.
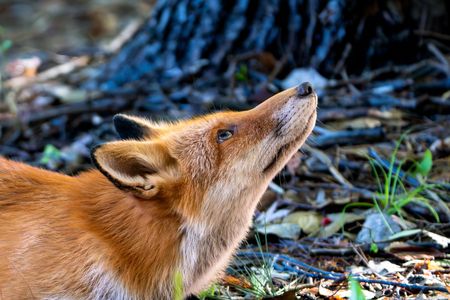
(281, 153)
(277, 156)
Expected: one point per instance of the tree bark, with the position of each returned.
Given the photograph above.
(185, 40)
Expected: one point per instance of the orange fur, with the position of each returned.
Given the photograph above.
(175, 199)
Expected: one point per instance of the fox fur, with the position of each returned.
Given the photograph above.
(169, 198)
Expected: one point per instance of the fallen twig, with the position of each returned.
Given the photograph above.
(65, 68)
(329, 138)
(73, 108)
(123, 36)
(327, 161)
(283, 262)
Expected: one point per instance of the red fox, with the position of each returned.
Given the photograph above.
(169, 200)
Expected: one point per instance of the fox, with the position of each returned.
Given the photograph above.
(167, 200)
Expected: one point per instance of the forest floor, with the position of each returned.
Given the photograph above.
(361, 211)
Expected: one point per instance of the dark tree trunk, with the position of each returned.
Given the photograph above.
(189, 39)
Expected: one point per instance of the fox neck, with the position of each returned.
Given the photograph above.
(208, 244)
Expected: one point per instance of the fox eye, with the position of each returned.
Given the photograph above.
(223, 135)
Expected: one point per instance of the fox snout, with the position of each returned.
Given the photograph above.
(293, 115)
(302, 99)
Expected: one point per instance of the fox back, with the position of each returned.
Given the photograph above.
(166, 199)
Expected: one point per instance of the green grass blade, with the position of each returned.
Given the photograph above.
(178, 286)
(355, 289)
(426, 203)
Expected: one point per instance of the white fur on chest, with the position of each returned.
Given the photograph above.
(209, 242)
(205, 252)
(194, 235)
(104, 285)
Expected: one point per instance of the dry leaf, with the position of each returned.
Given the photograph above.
(339, 220)
(308, 221)
(384, 267)
(408, 252)
(285, 230)
(358, 123)
(242, 282)
(441, 240)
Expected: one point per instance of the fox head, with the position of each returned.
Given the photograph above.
(213, 161)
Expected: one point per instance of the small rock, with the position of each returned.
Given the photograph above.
(300, 75)
(375, 229)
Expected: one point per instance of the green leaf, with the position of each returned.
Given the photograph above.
(208, 293)
(424, 166)
(373, 248)
(5, 45)
(50, 153)
(242, 73)
(356, 290)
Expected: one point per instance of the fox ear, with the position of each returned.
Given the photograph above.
(129, 127)
(134, 166)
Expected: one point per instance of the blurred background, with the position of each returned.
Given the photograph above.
(60, 26)
(381, 69)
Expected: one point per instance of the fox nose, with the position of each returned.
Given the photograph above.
(304, 89)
